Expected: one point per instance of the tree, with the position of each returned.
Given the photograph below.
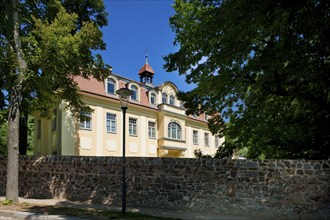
(43, 46)
(264, 66)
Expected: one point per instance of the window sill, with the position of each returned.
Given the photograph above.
(86, 129)
(172, 139)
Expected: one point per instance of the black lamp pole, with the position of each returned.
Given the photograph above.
(124, 94)
(123, 187)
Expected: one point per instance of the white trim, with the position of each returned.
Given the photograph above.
(137, 92)
(143, 136)
(99, 131)
(115, 87)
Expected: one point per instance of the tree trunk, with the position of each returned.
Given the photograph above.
(23, 133)
(13, 137)
(14, 113)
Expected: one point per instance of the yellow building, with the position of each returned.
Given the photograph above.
(156, 123)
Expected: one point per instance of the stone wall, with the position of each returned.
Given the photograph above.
(282, 188)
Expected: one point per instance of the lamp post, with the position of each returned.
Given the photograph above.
(124, 94)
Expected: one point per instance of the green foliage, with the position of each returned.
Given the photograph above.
(264, 66)
(199, 154)
(7, 202)
(57, 39)
(3, 138)
(30, 126)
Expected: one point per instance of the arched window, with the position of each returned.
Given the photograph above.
(111, 86)
(164, 98)
(153, 98)
(171, 100)
(174, 130)
(134, 89)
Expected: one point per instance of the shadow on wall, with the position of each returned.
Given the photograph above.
(97, 180)
(282, 188)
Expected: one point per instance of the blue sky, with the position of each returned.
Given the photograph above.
(135, 26)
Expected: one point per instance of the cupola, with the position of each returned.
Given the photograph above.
(146, 73)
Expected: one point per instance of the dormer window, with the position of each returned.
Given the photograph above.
(134, 96)
(171, 100)
(111, 86)
(164, 98)
(153, 98)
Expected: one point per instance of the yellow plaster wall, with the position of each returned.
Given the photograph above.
(98, 142)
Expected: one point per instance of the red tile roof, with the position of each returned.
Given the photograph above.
(146, 68)
(93, 86)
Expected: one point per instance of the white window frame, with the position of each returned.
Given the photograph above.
(136, 91)
(86, 124)
(164, 95)
(172, 100)
(216, 141)
(132, 126)
(110, 79)
(152, 129)
(174, 131)
(153, 95)
(206, 139)
(195, 137)
(111, 123)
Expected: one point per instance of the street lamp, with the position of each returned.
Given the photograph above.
(124, 94)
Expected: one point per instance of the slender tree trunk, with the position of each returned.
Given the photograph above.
(14, 113)
(13, 146)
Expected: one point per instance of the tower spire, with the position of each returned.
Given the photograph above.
(146, 73)
(146, 51)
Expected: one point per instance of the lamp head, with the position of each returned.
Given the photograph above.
(124, 94)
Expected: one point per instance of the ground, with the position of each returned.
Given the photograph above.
(89, 213)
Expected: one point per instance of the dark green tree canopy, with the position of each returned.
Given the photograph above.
(264, 65)
(44, 44)
(57, 39)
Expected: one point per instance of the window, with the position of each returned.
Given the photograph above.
(164, 98)
(216, 141)
(171, 100)
(134, 89)
(206, 139)
(174, 130)
(153, 98)
(86, 121)
(54, 120)
(39, 129)
(152, 129)
(111, 86)
(132, 126)
(111, 123)
(195, 137)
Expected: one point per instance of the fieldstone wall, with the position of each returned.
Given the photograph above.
(286, 189)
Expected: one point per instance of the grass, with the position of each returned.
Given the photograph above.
(89, 213)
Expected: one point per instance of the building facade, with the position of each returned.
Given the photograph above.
(156, 123)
